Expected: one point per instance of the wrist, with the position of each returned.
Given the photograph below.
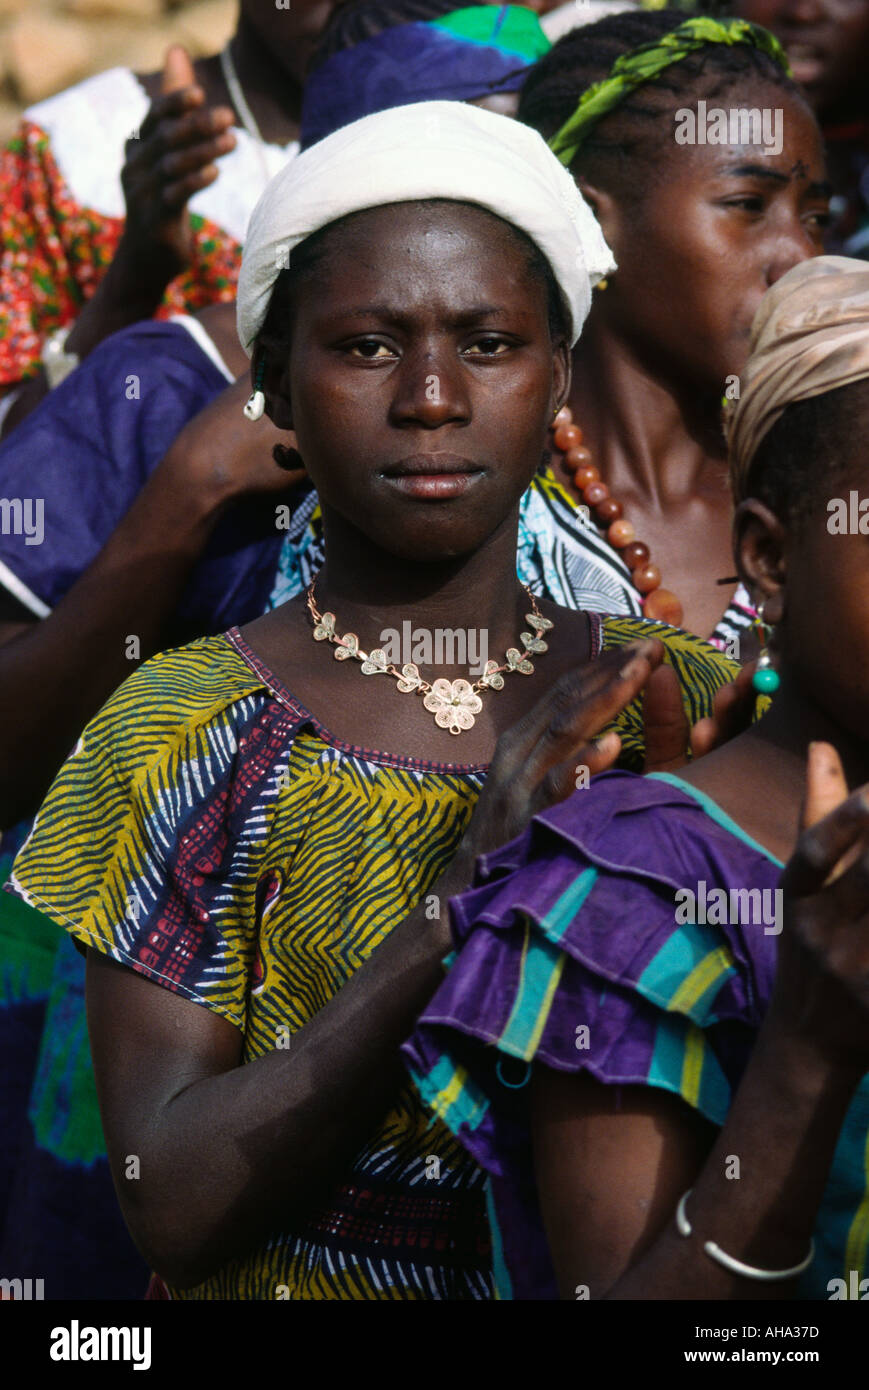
(806, 1067)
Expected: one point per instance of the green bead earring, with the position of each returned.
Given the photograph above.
(765, 680)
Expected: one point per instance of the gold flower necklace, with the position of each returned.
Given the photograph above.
(453, 703)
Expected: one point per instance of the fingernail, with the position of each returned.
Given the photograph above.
(638, 653)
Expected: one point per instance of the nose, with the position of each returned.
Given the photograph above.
(795, 245)
(431, 389)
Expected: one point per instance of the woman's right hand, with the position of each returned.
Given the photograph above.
(172, 158)
(821, 993)
(539, 760)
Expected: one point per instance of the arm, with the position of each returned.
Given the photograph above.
(274, 1134)
(55, 674)
(610, 1180)
(611, 1170)
(172, 160)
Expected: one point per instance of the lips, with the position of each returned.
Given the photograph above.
(433, 477)
(430, 466)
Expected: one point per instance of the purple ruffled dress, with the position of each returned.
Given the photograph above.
(576, 948)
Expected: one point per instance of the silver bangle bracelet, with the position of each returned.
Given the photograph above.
(721, 1257)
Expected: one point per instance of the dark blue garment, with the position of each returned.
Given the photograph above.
(86, 452)
(409, 63)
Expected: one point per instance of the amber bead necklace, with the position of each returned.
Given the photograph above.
(660, 604)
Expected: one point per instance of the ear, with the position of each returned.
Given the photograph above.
(275, 381)
(562, 367)
(605, 209)
(760, 545)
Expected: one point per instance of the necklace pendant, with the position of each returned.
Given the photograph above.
(453, 704)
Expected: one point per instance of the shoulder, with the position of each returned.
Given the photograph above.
(168, 701)
(683, 649)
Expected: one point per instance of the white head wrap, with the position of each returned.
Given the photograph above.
(433, 149)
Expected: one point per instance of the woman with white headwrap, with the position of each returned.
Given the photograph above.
(270, 835)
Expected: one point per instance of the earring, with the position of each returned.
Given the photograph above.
(256, 401)
(602, 284)
(765, 680)
(287, 457)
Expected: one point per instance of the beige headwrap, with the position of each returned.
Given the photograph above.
(810, 335)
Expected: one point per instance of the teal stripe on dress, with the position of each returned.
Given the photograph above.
(501, 1275)
(668, 969)
(559, 917)
(714, 1097)
(455, 1101)
(667, 1068)
(542, 964)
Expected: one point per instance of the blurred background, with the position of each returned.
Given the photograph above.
(46, 45)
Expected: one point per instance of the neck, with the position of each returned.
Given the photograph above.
(793, 722)
(273, 93)
(368, 590)
(648, 436)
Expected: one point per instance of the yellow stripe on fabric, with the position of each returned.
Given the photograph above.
(539, 975)
(704, 974)
(449, 1094)
(858, 1235)
(692, 1066)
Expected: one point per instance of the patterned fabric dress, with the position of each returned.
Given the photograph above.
(212, 835)
(62, 213)
(573, 950)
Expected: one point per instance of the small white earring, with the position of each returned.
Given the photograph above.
(255, 406)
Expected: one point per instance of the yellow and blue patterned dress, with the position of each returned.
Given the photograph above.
(210, 834)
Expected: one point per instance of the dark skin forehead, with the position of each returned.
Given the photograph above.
(745, 94)
(443, 252)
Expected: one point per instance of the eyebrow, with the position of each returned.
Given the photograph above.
(819, 189)
(390, 311)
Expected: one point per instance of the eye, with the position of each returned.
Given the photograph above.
(821, 218)
(749, 202)
(492, 345)
(370, 349)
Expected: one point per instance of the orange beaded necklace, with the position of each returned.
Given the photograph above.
(660, 604)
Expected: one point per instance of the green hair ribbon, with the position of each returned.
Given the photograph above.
(631, 70)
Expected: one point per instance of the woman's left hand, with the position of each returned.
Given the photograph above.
(670, 741)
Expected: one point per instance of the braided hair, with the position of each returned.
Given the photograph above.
(622, 152)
